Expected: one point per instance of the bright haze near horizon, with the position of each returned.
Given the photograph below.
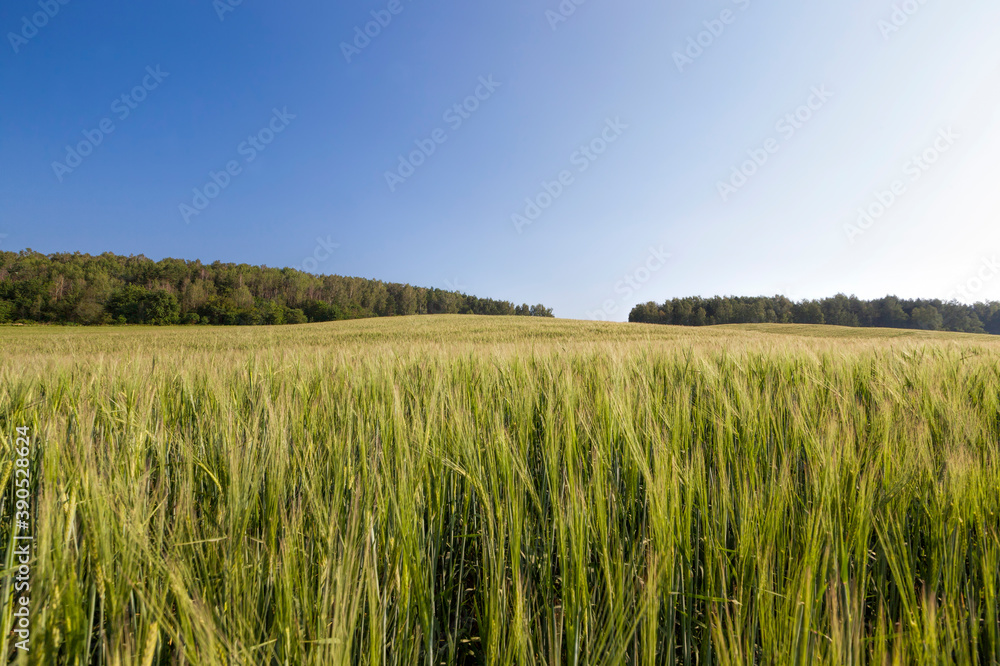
(586, 156)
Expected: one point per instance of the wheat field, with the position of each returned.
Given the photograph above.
(471, 490)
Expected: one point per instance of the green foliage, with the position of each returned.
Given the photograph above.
(840, 310)
(135, 305)
(526, 310)
(82, 289)
(295, 316)
(927, 318)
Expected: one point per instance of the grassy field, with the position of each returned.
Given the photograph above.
(449, 490)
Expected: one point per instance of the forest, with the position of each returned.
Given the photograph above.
(75, 288)
(839, 310)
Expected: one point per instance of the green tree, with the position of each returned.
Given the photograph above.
(135, 305)
(927, 317)
(809, 312)
(891, 314)
(541, 311)
(125, 304)
(161, 308)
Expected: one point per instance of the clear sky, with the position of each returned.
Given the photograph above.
(599, 156)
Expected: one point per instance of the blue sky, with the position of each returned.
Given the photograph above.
(601, 155)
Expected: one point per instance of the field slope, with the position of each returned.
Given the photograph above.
(458, 489)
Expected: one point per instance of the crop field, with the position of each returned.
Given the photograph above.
(471, 490)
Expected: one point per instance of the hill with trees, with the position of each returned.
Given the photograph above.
(112, 289)
(840, 310)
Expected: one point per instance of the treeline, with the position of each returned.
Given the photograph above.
(111, 289)
(840, 310)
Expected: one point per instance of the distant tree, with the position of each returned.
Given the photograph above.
(891, 313)
(957, 317)
(90, 312)
(927, 317)
(80, 288)
(161, 308)
(406, 300)
(647, 313)
(270, 313)
(838, 310)
(541, 311)
(720, 311)
(135, 305)
(758, 313)
(682, 312)
(295, 316)
(126, 304)
(989, 315)
(809, 312)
